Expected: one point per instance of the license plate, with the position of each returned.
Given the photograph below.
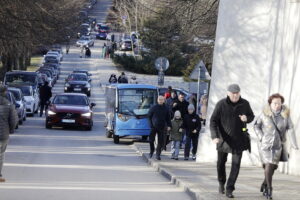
(68, 121)
(77, 89)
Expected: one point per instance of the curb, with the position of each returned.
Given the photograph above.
(167, 174)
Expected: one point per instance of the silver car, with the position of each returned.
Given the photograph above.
(20, 103)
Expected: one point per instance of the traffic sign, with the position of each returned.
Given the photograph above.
(162, 64)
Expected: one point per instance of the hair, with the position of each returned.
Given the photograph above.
(275, 96)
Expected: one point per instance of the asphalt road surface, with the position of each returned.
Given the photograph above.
(63, 164)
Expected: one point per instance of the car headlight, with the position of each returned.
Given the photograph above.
(86, 114)
(51, 112)
(67, 85)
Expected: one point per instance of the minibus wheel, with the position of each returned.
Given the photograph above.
(116, 139)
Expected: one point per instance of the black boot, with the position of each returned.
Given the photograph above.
(221, 188)
(263, 189)
(269, 193)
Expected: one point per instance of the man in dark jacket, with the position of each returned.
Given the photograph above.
(227, 126)
(123, 78)
(181, 104)
(45, 95)
(192, 126)
(159, 117)
(8, 122)
(170, 101)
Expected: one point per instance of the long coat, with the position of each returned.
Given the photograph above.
(8, 118)
(226, 125)
(272, 145)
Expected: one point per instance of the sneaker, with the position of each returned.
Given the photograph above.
(2, 180)
(172, 157)
(186, 158)
(176, 158)
(158, 158)
(194, 157)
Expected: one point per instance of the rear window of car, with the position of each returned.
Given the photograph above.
(77, 77)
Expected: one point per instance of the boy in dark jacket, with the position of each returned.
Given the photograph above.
(192, 126)
(176, 134)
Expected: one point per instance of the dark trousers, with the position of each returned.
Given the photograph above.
(191, 139)
(161, 140)
(43, 106)
(235, 169)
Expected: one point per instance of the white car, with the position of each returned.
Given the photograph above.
(85, 41)
(55, 53)
(32, 99)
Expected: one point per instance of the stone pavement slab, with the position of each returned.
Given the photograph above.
(199, 180)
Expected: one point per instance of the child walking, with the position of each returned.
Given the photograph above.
(176, 134)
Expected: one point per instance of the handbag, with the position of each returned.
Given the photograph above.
(284, 155)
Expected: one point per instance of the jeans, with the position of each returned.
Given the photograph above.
(161, 140)
(43, 106)
(175, 148)
(191, 139)
(235, 169)
(3, 145)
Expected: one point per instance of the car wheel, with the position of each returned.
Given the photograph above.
(109, 134)
(48, 126)
(116, 139)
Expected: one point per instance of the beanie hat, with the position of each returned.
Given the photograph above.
(191, 107)
(177, 114)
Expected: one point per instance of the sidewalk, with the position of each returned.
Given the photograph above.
(199, 180)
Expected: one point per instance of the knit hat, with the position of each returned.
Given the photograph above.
(234, 88)
(191, 107)
(177, 114)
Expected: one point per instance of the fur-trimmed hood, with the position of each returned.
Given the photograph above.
(285, 112)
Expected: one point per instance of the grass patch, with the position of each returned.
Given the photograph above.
(36, 61)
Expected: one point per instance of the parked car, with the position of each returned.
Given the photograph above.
(56, 53)
(32, 99)
(10, 97)
(85, 41)
(78, 82)
(85, 72)
(22, 78)
(20, 103)
(70, 109)
(51, 59)
(126, 45)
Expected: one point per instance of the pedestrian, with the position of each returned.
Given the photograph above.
(159, 118)
(87, 52)
(133, 80)
(8, 122)
(45, 95)
(203, 110)
(104, 48)
(123, 78)
(176, 135)
(81, 51)
(227, 125)
(168, 92)
(181, 104)
(170, 101)
(192, 126)
(272, 128)
(193, 100)
(113, 79)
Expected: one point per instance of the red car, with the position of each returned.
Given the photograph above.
(70, 109)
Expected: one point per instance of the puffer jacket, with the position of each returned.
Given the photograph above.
(272, 145)
(174, 133)
(8, 118)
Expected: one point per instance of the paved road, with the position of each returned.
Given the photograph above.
(62, 164)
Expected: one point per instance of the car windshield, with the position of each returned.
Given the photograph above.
(136, 101)
(20, 79)
(16, 94)
(70, 100)
(77, 77)
(26, 91)
(105, 28)
(84, 38)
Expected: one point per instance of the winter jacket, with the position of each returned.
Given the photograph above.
(272, 145)
(191, 122)
(159, 116)
(122, 79)
(113, 79)
(226, 125)
(169, 104)
(45, 93)
(181, 106)
(8, 118)
(175, 135)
